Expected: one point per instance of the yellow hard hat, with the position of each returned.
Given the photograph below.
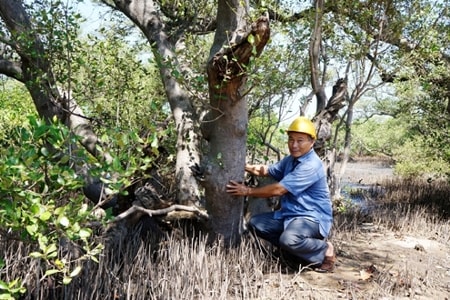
(304, 125)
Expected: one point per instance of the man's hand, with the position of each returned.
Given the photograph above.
(271, 190)
(257, 170)
(238, 189)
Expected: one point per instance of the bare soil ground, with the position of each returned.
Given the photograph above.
(374, 259)
(416, 266)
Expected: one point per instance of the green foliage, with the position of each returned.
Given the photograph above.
(377, 136)
(279, 73)
(194, 79)
(415, 154)
(12, 289)
(264, 138)
(116, 88)
(275, 84)
(15, 105)
(118, 85)
(416, 158)
(57, 25)
(423, 109)
(40, 199)
(424, 98)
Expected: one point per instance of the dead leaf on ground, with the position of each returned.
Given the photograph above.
(368, 272)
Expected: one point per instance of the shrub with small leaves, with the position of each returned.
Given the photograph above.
(40, 199)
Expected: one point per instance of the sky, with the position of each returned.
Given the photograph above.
(93, 13)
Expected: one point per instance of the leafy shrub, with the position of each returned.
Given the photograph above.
(40, 201)
(414, 161)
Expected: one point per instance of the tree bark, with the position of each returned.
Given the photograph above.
(336, 192)
(314, 54)
(225, 126)
(146, 16)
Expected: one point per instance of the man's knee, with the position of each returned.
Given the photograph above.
(288, 241)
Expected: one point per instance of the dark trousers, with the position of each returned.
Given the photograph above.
(300, 237)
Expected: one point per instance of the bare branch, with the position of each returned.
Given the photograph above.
(135, 209)
(314, 54)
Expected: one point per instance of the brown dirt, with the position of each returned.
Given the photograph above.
(415, 267)
(376, 261)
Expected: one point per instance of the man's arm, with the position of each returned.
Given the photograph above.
(270, 190)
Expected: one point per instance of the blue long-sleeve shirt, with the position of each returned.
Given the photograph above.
(308, 194)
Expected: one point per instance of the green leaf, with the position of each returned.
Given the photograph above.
(94, 259)
(43, 241)
(67, 280)
(7, 296)
(59, 263)
(35, 209)
(251, 39)
(84, 233)
(32, 229)
(76, 227)
(75, 272)
(64, 159)
(3, 285)
(61, 180)
(64, 221)
(45, 190)
(35, 254)
(83, 209)
(51, 272)
(45, 216)
(51, 249)
(44, 151)
(59, 210)
(116, 163)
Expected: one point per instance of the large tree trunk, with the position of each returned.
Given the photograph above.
(146, 16)
(225, 126)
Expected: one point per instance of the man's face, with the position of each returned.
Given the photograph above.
(299, 143)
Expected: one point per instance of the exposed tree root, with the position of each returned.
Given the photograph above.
(135, 209)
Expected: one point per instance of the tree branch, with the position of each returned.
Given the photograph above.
(314, 53)
(138, 209)
(11, 69)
